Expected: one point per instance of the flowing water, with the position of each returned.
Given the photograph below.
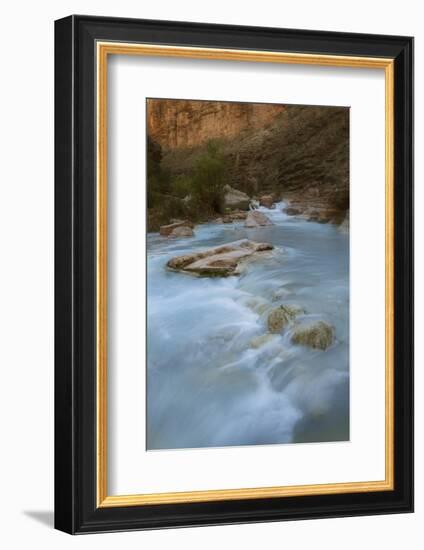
(215, 376)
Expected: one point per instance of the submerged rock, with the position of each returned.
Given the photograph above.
(257, 219)
(280, 294)
(262, 340)
(166, 230)
(182, 231)
(281, 316)
(221, 261)
(235, 199)
(257, 304)
(315, 334)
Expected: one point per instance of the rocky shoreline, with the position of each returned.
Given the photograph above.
(240, 207)
(315, 211)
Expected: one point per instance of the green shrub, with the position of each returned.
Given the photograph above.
(182, 186)
(203, 185)
(209, 177)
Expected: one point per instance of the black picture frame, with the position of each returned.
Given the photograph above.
(76, 510)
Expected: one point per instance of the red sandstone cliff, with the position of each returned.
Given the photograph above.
(186, 123)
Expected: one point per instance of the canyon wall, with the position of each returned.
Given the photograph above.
(303, 157)
(186, 123)
(297, 153)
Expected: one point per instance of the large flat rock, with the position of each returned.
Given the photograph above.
(220, 261)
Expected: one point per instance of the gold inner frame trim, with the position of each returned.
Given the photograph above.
(103, 50)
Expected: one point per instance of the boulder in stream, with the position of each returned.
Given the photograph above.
(266, 200)
(220, 261)
(237, 215)
(261, 340)
(166, 230)
(257, 219)
(315, 334)
(182, 231)
(235, 199)
(281, 316)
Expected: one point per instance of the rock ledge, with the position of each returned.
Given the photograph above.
(221, 261)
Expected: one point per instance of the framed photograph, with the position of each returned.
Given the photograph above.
(233, 274)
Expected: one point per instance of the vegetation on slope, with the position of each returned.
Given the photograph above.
(196, 194)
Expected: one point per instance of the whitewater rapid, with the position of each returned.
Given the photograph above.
(215, 377)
